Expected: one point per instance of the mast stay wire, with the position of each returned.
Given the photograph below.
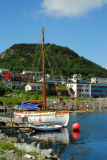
(71, 95)
(37, 54)
(39, 61)
(57, 89)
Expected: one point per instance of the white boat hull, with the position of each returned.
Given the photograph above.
(46, 127)
(60, 117)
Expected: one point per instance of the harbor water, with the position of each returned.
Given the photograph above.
(92, 143)
(88, 144)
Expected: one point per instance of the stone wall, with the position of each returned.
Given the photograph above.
(95, 105)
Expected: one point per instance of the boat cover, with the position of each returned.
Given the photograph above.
(28, 105)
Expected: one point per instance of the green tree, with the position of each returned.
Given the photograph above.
(36, 95)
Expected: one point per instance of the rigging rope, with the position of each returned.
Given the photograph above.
(37, 54)
(59, 95)
(57, 89)
(71, 95)
(73, 98)
(39, 62)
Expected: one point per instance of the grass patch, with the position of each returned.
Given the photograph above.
(34, 153)
(1, 152)
(2, 158)
(13, 100)
(5, 145)
(20, 95)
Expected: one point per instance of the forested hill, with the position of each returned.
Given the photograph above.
(21, 57)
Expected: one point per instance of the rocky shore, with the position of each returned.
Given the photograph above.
(10, 149)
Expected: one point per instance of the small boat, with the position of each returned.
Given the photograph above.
(45, 127)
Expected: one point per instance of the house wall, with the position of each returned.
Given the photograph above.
(80, 90)
(74, 87)
(98, 90)
(33, 88)
(17, 84)
(89, 90)
(28, 88)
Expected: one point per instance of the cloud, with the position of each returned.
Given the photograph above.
(70, 8)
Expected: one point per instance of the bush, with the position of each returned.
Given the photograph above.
(2, 90)
(19, 91)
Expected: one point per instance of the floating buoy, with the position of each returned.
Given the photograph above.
(75, 135)
(76, 126)
(40, 121)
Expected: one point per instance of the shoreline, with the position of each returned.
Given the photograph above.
(10, 148)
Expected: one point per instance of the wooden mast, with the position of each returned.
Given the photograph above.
(43, 71)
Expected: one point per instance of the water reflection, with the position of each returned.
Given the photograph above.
(89, 143)
(61, 136)
(75, 135)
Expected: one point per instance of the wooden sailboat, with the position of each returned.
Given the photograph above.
(32, 116)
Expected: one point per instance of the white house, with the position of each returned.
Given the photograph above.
(33, 87)
(76, 77)
(2, 70)
(80, 89)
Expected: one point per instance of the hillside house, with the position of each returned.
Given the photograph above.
(33, 87)
(92, 90)
(14, 84)
(2, 70)
(98, 80)
(80, 89)
(31, 76)
(98, 90)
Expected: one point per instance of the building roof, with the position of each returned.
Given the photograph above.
(35, 84)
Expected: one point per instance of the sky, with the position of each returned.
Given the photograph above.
(80, 25)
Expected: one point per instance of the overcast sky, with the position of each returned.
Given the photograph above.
(80, 25)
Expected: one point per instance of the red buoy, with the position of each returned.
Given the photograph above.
(40, 121)
(76, 126)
